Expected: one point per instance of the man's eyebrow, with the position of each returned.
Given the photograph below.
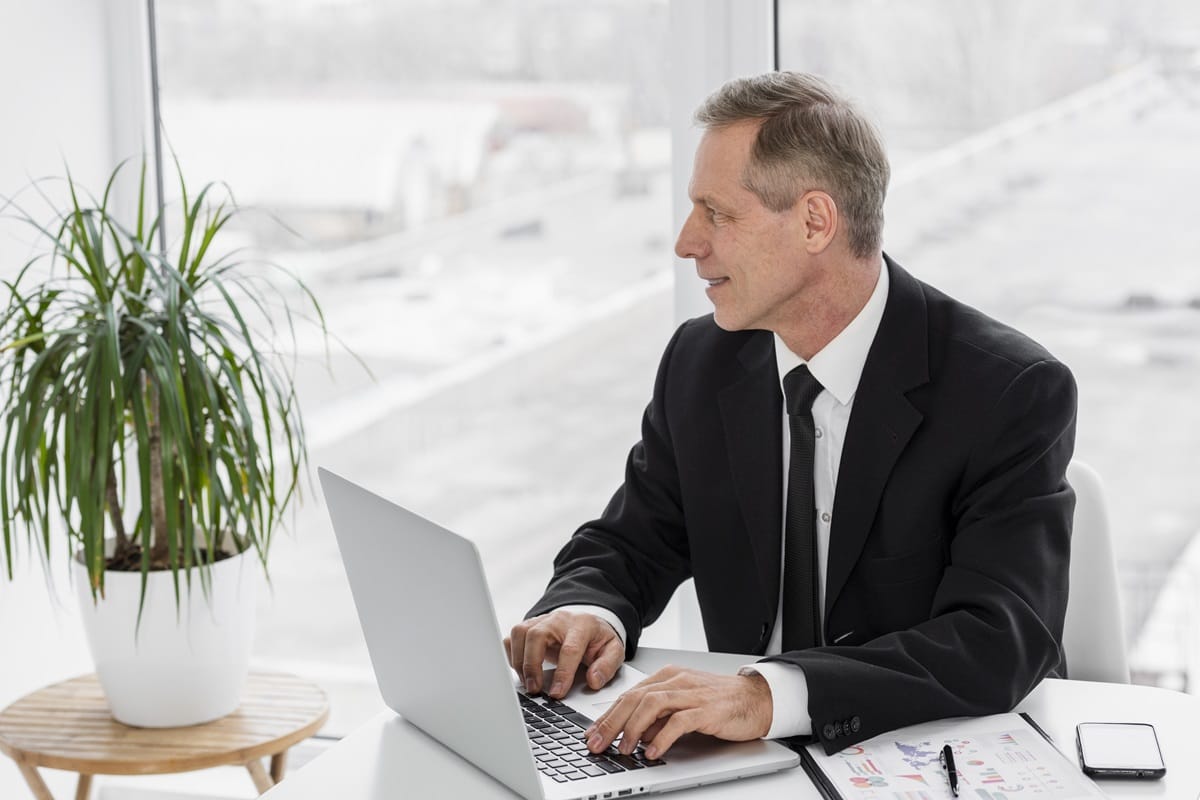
(709, 200)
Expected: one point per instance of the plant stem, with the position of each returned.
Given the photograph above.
(158, 505)
(114, 513)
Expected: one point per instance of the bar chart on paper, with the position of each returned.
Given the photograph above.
(998, 758)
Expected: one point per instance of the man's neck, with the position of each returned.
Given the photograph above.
(830, 306)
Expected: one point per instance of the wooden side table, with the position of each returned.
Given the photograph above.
(68, 726)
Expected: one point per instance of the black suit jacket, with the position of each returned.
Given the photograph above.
(949, 544)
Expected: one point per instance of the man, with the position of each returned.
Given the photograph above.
(864, 476)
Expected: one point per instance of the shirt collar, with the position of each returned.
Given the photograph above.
(839, 364)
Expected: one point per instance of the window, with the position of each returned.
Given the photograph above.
(479, 194)
(1043, 155)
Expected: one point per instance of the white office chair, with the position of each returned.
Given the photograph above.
(1094, 636)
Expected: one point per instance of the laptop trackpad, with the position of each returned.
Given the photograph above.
(594, 703)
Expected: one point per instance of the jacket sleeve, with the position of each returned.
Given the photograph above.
(996, 622)
(635, 555)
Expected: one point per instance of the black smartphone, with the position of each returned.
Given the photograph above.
(1119, 750)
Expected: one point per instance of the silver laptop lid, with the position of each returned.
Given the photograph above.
(431, 630)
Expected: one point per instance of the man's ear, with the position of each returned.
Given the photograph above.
(820, 218)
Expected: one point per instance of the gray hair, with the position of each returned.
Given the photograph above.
(810, 138)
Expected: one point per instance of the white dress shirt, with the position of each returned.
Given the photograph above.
(838, 367)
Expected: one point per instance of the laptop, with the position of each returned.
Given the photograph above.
(431, 631)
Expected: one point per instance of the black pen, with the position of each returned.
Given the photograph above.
(951, 772)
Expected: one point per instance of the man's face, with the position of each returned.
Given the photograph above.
(752, 258)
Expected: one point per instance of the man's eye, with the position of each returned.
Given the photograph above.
(716, 216)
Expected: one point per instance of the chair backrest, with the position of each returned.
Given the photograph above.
(1094, 636)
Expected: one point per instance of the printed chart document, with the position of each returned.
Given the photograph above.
(1001, 757)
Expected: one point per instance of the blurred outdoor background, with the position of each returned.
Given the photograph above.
(479, 194)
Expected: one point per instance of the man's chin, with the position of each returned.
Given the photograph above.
(728, 322)
(721, 319)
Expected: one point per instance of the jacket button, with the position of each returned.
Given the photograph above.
(855, 724)
(827, 732)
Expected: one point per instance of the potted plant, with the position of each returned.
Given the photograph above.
(149, 414)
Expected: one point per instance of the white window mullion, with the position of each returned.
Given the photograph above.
(712, 41)
(128, 63)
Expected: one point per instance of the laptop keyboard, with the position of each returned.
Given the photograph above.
(555, 733)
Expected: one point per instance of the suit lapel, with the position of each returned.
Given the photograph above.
(751, 413)
(881, 423)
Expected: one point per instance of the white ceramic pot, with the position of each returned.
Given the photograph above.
(180, 666)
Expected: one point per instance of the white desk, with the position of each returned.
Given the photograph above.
(388, 758)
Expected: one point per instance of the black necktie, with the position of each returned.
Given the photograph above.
(801, 622)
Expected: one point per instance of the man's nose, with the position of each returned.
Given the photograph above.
(690, 243)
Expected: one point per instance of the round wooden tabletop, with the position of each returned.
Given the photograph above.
(68, 726)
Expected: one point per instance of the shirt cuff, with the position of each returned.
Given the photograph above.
(604, 614)
(789, 698)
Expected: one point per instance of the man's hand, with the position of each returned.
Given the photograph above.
(675, 701)
(569, 640)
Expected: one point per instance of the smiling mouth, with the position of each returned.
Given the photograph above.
(716, 281)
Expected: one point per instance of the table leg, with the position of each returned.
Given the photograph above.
(278, 765)
(84, 787)
(262, 781)
(40, 790)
